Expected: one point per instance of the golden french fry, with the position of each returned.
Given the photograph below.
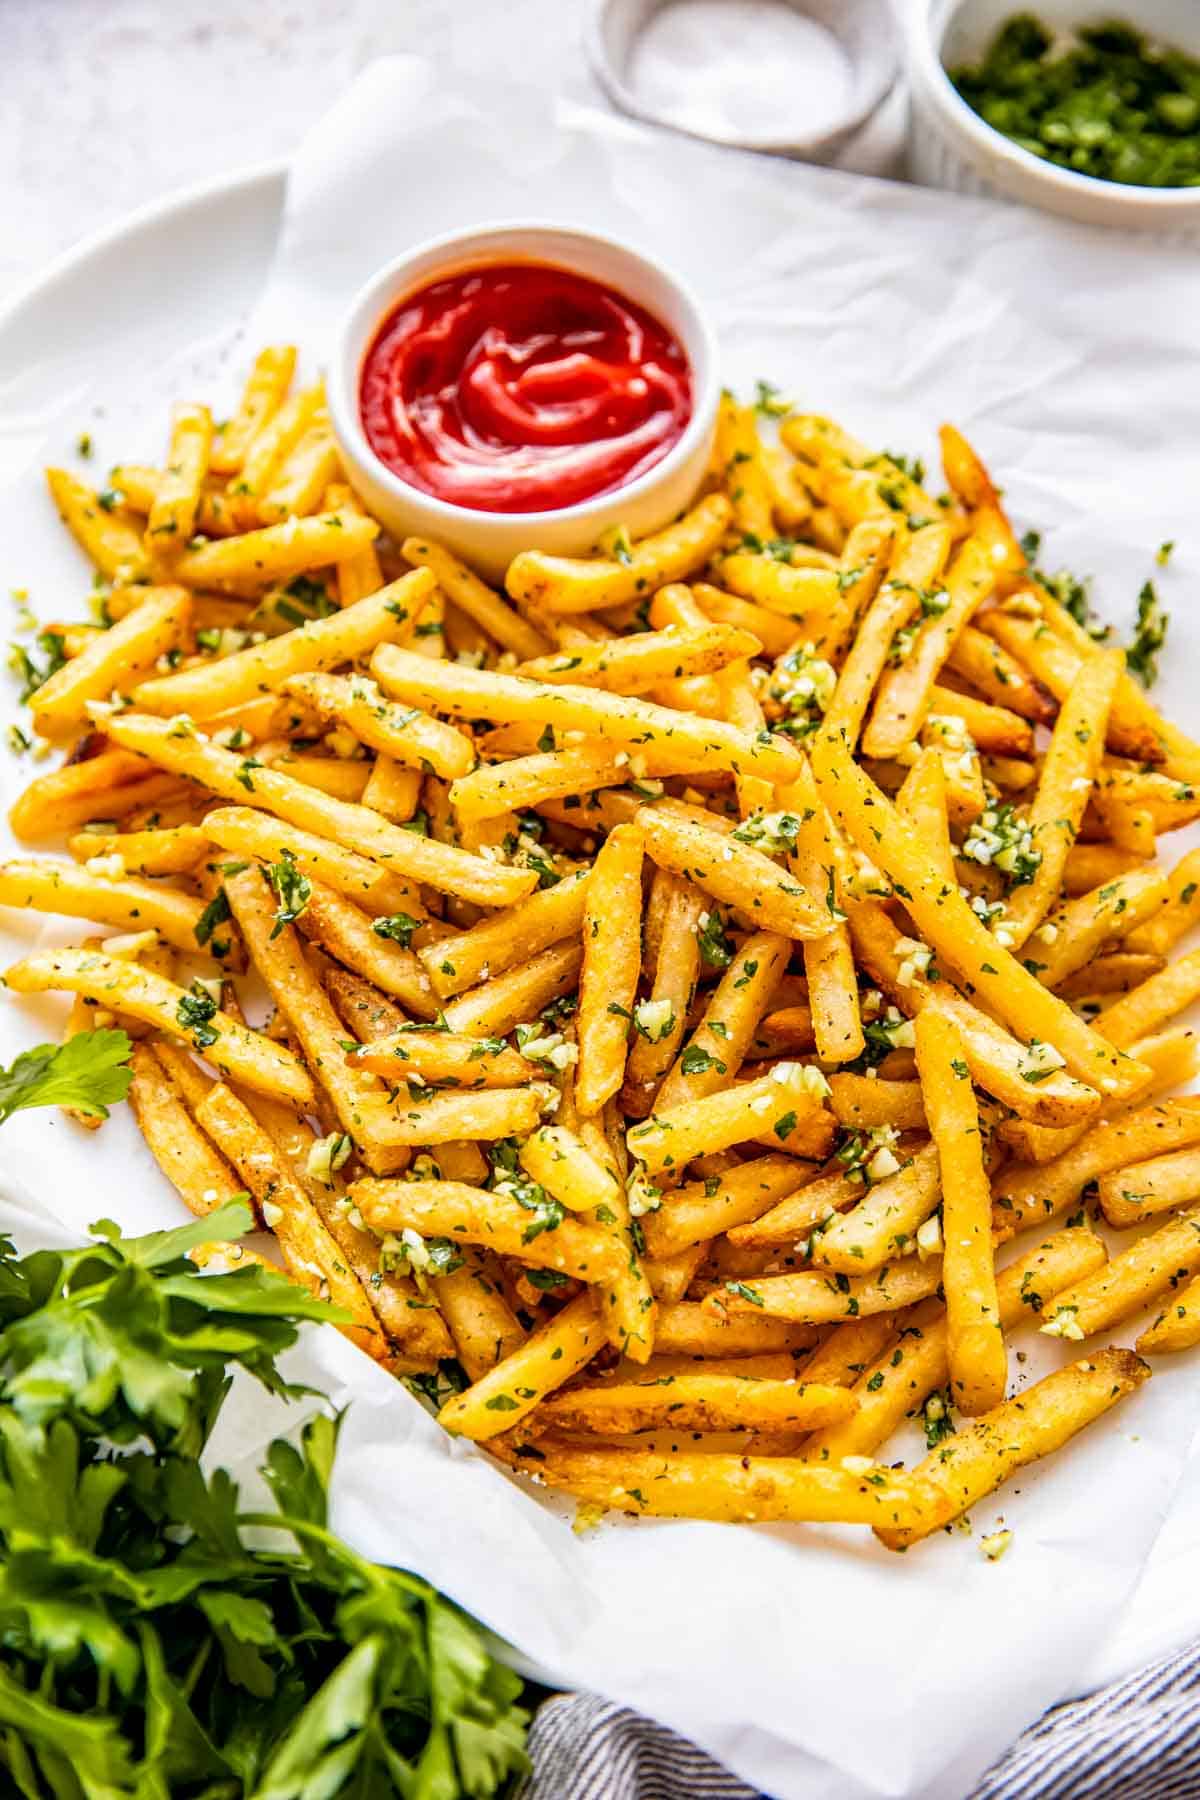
(637, 665)
(1074, 933)
(703, 1401)
(612, 938)
(245, 832)
(425, 1057)
(634, 723)
(975, 1343)
(107, 536)
(319, 644)
(111, 662)
(718, 1046)
(253, 560)
(661, 1021)
(125, 987)
(544, 1237)
(861, 1102)
(262, 396)
(794, 1217)
(815, 1299)
(685, 1328)
(903, 695)
(498, 1005)
(506, 939)
(704, 1209)
(734, 872)
(1130, 1195)
(166, 850)
(173, 513)
(883, 1225)
(980, 1458)
(752, 1490)
(203, 1179)
(1153, 1003)
(474, 598)
(1130, 1281)
(986, 665)
(562, 584)
(503, 1396)
(406, 735)
(777, 1102)
(1177, 1327)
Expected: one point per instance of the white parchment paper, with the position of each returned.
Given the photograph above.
(810, 1661)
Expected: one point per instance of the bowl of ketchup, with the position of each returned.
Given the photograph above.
(524, 386)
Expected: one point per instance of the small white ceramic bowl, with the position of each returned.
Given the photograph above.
(859, 33)
(950, 146)
(490, 540)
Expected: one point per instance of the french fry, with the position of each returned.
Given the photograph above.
(702, 1401)
(676, 962)
(392, 790)
(1131, 1195)
(612, 955)
(167, 850)
(794, 1217)
(401, 852)
(1130, 1281)
(444, 1056)
(980, 1458)
(473, 597)
(496, 789)
(300, 479)
(861, 1103)
(562, 584)
(341, 929)
(685, 1328)
(320, 644)
(897, 1382)
(1177, 1327)
(986, 665)
(922, 800)
(498, 1005)
(1056, 662)
(268, 451)
(253, 560)
(564, 1166)
(172, 519)
(733, 872)
(704, 1209)
(358, 1098)
(1153, 1003)
(992, 728)
(884, 1223)
(312, 1257)
(955, 932)
(129, 904)
(1179, 914)
(511, 1389)
(738, 454)
(1023, 1194)
(202, 1178)
(903, 695)
(482, 1324)
(775, 633)
(1074, 933)
(718, 1046)
(998, 1061)
(1070, 767)
(455, 1210)
(506, 939)
(109, 539)
(125, 987)
(262, 396)
(635, 723)
(638, 665)
(975, 1343)
(406, 735)
(732, 1488)
(669, 1139)
(815, 1299)
(245, 832)
(128, 649)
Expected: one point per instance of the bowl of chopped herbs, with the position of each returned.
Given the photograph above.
(1077, 110)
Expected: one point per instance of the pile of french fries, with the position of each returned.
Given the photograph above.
(687, 969)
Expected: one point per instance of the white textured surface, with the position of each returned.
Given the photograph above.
(106, 105)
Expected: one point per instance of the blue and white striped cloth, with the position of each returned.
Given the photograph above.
(1136, 1740)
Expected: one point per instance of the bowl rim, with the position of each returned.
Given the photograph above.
(993, 143)
(879, 79)
(379, 294)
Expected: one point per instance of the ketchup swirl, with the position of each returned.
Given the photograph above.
(522, 388)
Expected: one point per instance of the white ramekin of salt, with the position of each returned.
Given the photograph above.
(794, 77)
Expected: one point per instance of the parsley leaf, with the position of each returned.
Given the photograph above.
(89, 1072)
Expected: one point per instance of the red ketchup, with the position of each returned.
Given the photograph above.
(519, 388)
